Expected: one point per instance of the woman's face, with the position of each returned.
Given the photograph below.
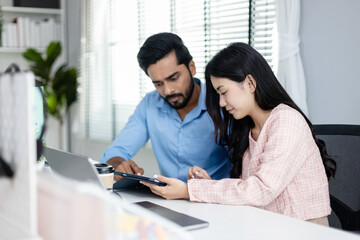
(236, 97)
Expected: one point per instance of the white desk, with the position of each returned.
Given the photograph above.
(241, 222)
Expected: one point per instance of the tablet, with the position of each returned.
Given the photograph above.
(140, 178)
(185, 221)
(127, 183)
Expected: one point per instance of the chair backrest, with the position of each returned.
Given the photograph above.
(343, 145)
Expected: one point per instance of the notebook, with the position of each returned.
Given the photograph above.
(80, 168)
(72, 166)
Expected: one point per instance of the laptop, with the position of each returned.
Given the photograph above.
(72, 166)
(80, 168)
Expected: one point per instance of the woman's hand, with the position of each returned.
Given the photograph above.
(198, 173)
(174, 189)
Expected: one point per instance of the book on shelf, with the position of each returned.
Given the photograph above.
(24, 32)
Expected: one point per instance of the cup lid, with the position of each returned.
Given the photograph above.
(104, 168)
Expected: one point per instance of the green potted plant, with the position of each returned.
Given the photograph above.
(60, 85)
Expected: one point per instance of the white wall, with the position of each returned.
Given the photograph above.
(73, 52)
(330, 50)
(73, 28)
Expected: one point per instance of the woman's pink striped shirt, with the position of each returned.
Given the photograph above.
(282, 172)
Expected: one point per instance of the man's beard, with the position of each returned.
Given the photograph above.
(187, 97)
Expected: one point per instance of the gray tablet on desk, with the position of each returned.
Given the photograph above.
(184, 220)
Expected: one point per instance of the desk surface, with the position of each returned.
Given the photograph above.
(241, 222)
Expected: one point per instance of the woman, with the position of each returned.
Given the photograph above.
(278, 164)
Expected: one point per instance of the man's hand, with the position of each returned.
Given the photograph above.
(121, 165)
(198, 173)
(174, 189)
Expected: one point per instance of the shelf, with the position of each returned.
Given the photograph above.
(47, 23)
(30, 10)
(17, 49)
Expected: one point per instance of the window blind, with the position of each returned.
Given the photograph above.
(112, 82)
(188, 21)
(95, 83)
(263, 34)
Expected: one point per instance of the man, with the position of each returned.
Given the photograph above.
(173, 116)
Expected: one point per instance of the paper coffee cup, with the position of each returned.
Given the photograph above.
(106, 174)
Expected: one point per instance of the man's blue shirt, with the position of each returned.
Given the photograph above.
(178, 145)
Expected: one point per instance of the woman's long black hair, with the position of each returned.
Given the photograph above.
(235, 62)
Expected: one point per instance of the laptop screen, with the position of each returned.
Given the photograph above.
(72, 166)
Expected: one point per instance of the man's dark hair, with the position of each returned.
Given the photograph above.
(158, 46)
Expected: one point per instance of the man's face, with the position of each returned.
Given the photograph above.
(174, 83)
